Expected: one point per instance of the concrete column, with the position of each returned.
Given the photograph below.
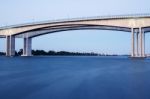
(27, 47)
(137, 44)
(141, 42)
(24, 46)
(7, 45)
(10, 45)
(143, 33)
(133, 43)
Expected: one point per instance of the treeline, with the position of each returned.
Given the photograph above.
(59, 53)
(55, 53)
(2, 53)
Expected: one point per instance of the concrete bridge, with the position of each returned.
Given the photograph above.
(137, 25)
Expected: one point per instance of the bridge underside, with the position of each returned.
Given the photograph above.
(48, 30)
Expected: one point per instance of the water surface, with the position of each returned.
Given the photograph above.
(74, 78)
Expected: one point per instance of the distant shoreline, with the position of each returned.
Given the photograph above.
(60, 53)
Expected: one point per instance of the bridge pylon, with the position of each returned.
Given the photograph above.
(10, 45)
(138, 43)
(27, 48)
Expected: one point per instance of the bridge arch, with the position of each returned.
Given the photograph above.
(60, 28)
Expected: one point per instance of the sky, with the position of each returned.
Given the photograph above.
(100, 41)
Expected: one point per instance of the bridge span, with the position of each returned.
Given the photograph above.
(137, 25)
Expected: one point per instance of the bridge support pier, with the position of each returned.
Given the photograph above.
(10, 45)
(27, 48)
(143, 35)
(138, 43)
(133, 43)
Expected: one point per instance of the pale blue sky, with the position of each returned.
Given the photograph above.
(23, 11)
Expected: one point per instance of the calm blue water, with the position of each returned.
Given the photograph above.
(74, 78)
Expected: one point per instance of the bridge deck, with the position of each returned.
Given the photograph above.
(80, 19)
